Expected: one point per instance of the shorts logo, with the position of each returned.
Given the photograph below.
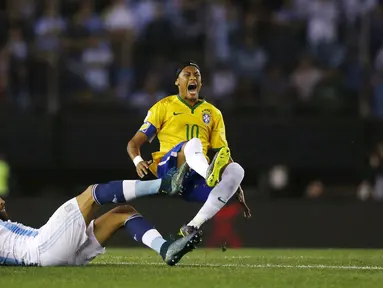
(206, 116)
(69, 207)
(145, 127)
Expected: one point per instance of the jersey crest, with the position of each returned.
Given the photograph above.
(206, 116)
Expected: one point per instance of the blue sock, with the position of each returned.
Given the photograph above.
(143, 231)
(124, 190)
(111, 192)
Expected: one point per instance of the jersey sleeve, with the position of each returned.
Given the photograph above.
(153, 121)
(218, 136)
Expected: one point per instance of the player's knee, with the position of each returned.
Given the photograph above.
(87, 192)
(236, 171)
(195, 141)
(192, 146)
(124, 209)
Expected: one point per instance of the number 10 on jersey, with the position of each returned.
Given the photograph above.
(192, 131)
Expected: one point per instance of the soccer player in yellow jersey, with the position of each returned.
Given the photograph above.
(187, 127)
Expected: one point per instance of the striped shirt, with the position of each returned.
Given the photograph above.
(17, 244)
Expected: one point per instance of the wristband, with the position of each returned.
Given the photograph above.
(137, 160)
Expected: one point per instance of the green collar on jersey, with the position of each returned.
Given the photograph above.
(192, 108)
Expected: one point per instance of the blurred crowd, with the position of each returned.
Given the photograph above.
(275, 56)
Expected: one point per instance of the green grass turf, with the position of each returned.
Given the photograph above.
(211, 268)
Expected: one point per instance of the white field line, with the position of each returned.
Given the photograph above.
(142, 257)
(242, 257)
(253, 266)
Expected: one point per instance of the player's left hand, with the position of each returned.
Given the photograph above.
(143, 167)
(242, 200)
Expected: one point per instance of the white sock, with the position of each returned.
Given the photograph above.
(231, 179)
(133, 189)
(195, 158)
(153, 239)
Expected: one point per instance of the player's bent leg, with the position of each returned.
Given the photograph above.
(114, 192)
(171, 252)
(107, 224)
(220, 160)
(122, 191)
(99, 231)
(232, 177)
(143, 231)
(87, 204)
(195, 157)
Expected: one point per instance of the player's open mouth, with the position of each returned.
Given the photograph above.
(192, 88)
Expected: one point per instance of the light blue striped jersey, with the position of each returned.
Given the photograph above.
(17, 244)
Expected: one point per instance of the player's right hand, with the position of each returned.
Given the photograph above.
(142, 168)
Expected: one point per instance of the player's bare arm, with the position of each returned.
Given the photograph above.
(240, 195)
(134, 151)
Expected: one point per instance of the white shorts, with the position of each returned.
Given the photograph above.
(65, 239)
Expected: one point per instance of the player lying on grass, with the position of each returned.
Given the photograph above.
(73, 237)
(186, 127)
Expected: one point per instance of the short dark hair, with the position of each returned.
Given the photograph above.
(186, 64)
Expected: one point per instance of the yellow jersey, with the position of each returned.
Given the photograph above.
(174, 121)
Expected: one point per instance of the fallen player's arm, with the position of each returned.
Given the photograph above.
(4, 216)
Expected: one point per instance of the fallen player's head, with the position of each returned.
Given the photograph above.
(189, 81)
(3, 213)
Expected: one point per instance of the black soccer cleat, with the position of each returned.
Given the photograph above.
(172, 182)
(174, 252)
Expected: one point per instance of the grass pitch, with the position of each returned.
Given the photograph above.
(211, 268)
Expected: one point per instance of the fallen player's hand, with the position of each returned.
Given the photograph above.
(142, 168)
(241, 199)
(3, 214)
(2, 204)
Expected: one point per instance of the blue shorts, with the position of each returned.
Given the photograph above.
(195, 187)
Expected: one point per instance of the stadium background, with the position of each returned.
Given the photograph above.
(299, 83)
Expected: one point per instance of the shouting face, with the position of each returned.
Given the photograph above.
(189, 83)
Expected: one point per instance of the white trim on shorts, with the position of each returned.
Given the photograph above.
(172, 154)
